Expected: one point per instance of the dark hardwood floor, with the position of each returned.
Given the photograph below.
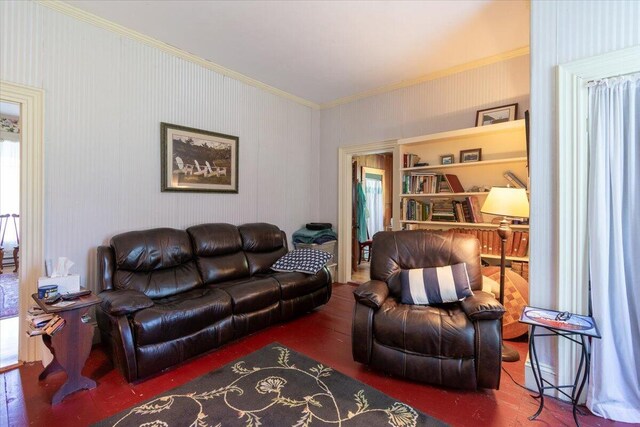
(324, 335)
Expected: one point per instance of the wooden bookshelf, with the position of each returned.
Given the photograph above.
(503, 150)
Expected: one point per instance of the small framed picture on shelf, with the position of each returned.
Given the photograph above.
(491, 116)
(474, 155)
(446, 159)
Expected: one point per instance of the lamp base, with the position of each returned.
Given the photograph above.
(509, 354)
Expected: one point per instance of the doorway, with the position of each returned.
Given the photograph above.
(346, 209)
(372, 201)
(9, 232)
(31, 223)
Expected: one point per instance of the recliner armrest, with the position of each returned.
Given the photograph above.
(372, 294)
(482, 306)
(123, 302)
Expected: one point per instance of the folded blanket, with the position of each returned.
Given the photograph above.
(304, 235)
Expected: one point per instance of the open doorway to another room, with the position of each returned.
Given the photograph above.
(372, 178)
(9, 232)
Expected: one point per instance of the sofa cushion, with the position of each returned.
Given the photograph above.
(252, 294)
(443, 331)
(308, 261)
(124, 302)
(295, 284)
(157, 262)
(218, 252)
(180, 315)
(263, 244)
(160, 283)
(435, 285)
(215, 239)
(153, 249)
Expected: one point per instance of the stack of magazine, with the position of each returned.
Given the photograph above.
(41, 323)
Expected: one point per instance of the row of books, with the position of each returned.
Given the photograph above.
(517, 244)
(430, 183)
(415, 210)
(410, 160)
(467, 210)
(41, 323)
(522, 268)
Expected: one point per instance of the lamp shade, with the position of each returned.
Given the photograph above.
(506, 201)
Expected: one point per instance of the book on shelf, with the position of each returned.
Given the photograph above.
(485, 241)
(508, 247)
(33, 332)
(489, 234)
(497, 243)
(474, 208)
(524, 244)
(490, 241)
(34, 310)
(514, 180)
(409, 160)
(517, 236)
(422, 182)
(56, 324)
(51, 327)
(454, 183)
(442, 210)
(414, 210)
(38, 320)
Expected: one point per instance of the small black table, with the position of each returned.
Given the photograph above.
(575, 328)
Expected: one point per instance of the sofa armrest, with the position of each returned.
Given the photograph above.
(482, 306)
(372, 294)
(124, 302)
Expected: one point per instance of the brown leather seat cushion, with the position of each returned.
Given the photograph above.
(293, 284)
(180, 315)
(443, 330)
(251, 295)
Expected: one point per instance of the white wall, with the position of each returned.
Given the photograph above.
(561, 32)
(438, 105)
(105, 96)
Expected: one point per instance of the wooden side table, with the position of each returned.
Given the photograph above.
(70, 346)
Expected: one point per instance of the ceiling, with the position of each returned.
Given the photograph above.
(323, 51)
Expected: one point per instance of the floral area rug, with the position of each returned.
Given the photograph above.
(277, 387)
(8, 295)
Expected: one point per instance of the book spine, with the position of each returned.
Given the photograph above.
(524, 244)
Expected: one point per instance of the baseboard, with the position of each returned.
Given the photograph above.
(548, 373)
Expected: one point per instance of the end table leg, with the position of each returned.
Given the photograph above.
(71, 386)
(537, 372)
(584, 363)
(54, 365)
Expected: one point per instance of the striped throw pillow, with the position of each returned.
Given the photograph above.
(435, 285)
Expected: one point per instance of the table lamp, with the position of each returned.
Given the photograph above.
(508, 203)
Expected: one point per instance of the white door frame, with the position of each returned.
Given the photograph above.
(573, 272)
(345, 211)
(31, 102)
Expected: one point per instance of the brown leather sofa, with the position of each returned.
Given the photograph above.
(456, 344)
(168, 295)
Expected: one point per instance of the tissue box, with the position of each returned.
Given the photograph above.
(66, 284)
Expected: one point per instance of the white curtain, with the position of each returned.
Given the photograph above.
(375, 204)
(614, 252)
(9, 187)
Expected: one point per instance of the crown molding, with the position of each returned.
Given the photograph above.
(90, 18)
(432, 76)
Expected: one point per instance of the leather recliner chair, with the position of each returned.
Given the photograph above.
(454, 344)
